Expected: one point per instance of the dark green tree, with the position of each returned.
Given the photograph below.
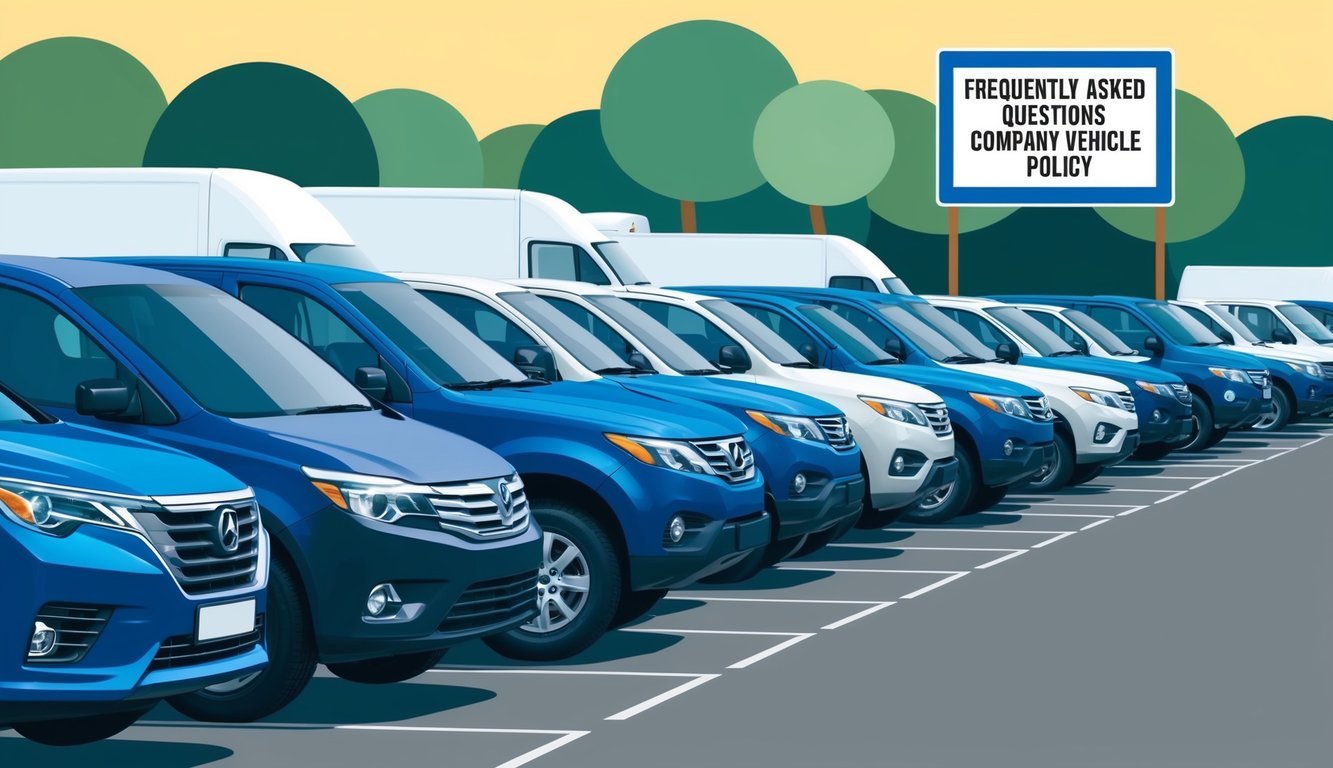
(421, 140)
(266, 117)
(503, 153)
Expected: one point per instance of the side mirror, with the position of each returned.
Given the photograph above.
(1153, 344)
(638, 361)
(536, 362)
(1007, 352)
(810, 353)
(1226, 336)
(1079, 343)
(1282, 335)
(894, 346)
(733, 359)
(373, 383)
(102, 398)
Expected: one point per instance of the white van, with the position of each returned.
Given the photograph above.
(495, 233)
(697, 258)
(1275, 283)
(167, 212)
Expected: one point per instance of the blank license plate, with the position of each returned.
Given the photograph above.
(1268, 393)
(226, 620)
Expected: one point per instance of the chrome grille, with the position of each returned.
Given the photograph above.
(1127, 401)
(493, 603)
(836, 431)
(938, 417)
(1040, 407)
(1328, 370)
(731, 458)
(193, 535)
(1260, 377)
(185, 651)
(485, 509)
(1183, 393)
(77, 628)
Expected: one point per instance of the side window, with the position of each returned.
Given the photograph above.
(1058, 327)
(975, 325)
(592, 324)
(253, 251)
(45, 355)
(1324, 316)
(693, 328)
(790, 331)
(1205, 319)
(315, 325)
(499, 332)
(853, 283)
(864, 323)
(1127, 327)
(1259, 319)
(564, 261)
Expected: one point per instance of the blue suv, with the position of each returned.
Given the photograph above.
(133, 573)
(636, 495)
(392, 540)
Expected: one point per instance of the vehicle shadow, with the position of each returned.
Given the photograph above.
(613, 646)
(850, 552)
(769, 578)
(16, 751)
(1073, 490)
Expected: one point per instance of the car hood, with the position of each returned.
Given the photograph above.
(1101, 366)
(371, 443)
(856, 383)
(92, 459)
(933, 376)
(1294, 354)
(1045, 377)
(729, 395)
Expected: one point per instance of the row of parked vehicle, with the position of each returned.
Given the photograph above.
(236, 443)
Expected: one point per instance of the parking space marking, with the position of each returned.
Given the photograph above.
(1175, 495)
(858, 615)
(780, 647)
(1164, 477)
(999, 560)
(934, 586)
(1114, 489)
(592, 672)
(1061, 514)
(1129, 512)
(566, 737)
(1093, 524)
(961, 529)
(792, 639)
(1063, 535)
(648, 704)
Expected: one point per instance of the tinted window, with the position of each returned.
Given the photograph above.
(1182, 328)
(788, 329)
(862, 320)
(585, 347)
(45, 356)
(847, 336)
(1204, 319)
(980, 328)
(499, 332)
(1324, 316)
(564, 261)
(590, 322)
(1306, 322)
(337, 255)
(315, 325)
(253, 251)
(955, 333)
(1233, 324)
(13, 413)
(621, 263)
(1129, 329)
(703, 335)
(1097, 332)
(853, 283)
(645, 329)
(897, 287)
(1037, 335)
(935, 345)
(771, 345)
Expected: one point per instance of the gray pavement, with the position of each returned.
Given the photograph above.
(1176, 614)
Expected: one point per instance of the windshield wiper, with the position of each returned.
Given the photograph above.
(344, 408)
(885, 361)
(800, 364)
(700, 372)
(1067, 353)
(620, 370)
(963, 358)
(1205, 344)
(489, 384)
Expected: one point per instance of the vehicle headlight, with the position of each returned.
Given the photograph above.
(1232, 374)
(1157, 389)
(1013, 406)
(1309, 369)
(1100, 397)
(58, 511)
(798, 427)
(908, 413)
(671, 454)
(378, 498)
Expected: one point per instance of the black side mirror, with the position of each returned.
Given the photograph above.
(1153, 344)
(1007, 352)
(894, 346)
(733, 359)
(102, 398)
(1282, 335)
(638, 361)
(1079, 343)
(1226, 336)
(536, 362)
(373, 383)
(810, 353)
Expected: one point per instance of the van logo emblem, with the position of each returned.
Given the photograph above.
(737, 451)
(506, 502)
(228, 530)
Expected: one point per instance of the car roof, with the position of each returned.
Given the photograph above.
(964, 300)
(484, 285)
(323, 273)
(85, 273)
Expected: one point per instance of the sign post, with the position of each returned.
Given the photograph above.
(1056, 128)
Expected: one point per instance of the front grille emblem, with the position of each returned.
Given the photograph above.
(506, 502)
(228, 531)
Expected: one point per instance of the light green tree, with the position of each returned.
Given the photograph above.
(503, 153)
(421, 140)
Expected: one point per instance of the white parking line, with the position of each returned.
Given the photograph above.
(711, 599)
(648, 704)
(1076, 505)
(785, 567)
(1165, 499)
(1163, 477)
(1113, 489)
(956, 529)
(566, 737)
(792, 639)
(999, 560)
(857, 616)
(780, 647)
(586, 672)
(1064, 535)
(936, 585)
(1129, 512)
(1093, 524)
(1058, 514)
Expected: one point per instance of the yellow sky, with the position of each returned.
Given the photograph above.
(502, 62)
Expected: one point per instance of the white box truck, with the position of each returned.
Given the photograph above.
(1275, 283)
(167, 212)
(496, 233)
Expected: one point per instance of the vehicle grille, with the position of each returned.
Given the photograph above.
(1260, 377)
(730, 458)
(77, 628)
(1328, 370)
(189, 534)
(1183, 393)
(185, 651)
(836, 431)
(1127, 401)
(938, 417)
(493, 603)
(485, 509)
(1040, 407)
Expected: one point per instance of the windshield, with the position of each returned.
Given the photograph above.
(1233, 324)
(659, 340)
(586, 348)
(1179, 326)
(229, 358)
(951, 330)
(13, 413)
(441, 346)
(1308, 324)
(897, 287)
(847, 336)
(1097, 332)
(768, 343)
(621, 263)
(337, 255)
(1038, 336)
(936, 346)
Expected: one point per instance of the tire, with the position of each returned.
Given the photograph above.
(1085, 472)
(1218, 436)
(636, 604)
(1060, 469)
(1153, 451)
(570, 618)
(74, 731)
(389, 669)
(1280, 417)
(951, 501)
(872, 518)
(986, 496)
(291, 661)
(1202, 415)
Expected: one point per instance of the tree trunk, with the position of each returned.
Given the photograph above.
(953, 251)
(1160, 265)
(687, 221)
(817, 220)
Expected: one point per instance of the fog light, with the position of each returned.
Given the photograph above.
(43, 641)
(676, 528)
(798, 484)
(899, 464)
(1100, 435)
(1157, 415)
(381, 599)
(1008, 447)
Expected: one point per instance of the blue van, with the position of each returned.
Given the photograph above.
(133, 572)
(1230, 389)
(999, 446)
(391, 539)
(635, 495)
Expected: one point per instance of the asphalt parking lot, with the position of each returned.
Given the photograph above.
(1169, 613)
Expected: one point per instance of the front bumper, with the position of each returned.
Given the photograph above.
(716, 546)
(1026, 461)
(1127, 446)
(834, 501)
(941, 473)
(1241, 413)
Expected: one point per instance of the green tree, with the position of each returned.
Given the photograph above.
(1210, 176)
(421, 140)
(823, 143)
(266, 117)
(680, 106)
(503, 153)
(73, 101)
(767, 210)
